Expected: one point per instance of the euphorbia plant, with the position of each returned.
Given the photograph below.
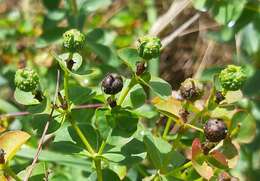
(197, 132)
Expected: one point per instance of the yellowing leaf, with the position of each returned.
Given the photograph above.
(11, 142)
(169, 106)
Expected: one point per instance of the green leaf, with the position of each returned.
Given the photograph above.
(76, 58)
(247, 124)
(130, 57)
(38, 122)
(7, 107)
(158, 86)
(102, 122)
(104, 52)
(25, 98)
(209, 73)
(230, 151)
(146, 111)
(227, 12)
(58, 158)
(125, 122)
(89, 132)
(136, 97)
(90, 5)
(79, 95)
(114, 157)
(157, 150)
(202, 5)
(38, 172)
(64, 143)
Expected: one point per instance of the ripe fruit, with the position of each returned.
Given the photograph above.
(149, 47)
(112, 84)
(73, 40)
(215, 130)
(26, 80)
(232, 78)
(191, 89)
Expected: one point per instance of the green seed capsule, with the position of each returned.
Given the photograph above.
(232, 78)
(26, 80)
(149, 47)
(73, 40)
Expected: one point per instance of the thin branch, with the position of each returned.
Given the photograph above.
(88, 106)
(164, 20)
(29, 172)
(84, 106)
(167, 40)
(205, 60)
(14, 114)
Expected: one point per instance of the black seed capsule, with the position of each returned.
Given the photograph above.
(112, 84)
(215, 130)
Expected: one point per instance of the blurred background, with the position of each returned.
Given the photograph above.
(199, 37)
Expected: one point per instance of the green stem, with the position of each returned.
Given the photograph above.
(11, 173)
(66, 89)
(173, 172)
(101, 149)
(126, 90)
(74, 7)
(98, 169)
(193, 127)
(167, 128)
(82, 137)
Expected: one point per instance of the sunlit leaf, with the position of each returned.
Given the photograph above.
(247, 124)
(170, 105)
(11, 142)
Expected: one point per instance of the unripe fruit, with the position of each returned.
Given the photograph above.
(26, 80)
(73, 40)
(112, 84)
(149, 47)
(215, 130)
(232, 78)
(191, 89)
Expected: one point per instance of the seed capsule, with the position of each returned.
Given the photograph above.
(215, 130)
(232, 78)
(191, 89)
(149, 47)
(26, 80)
(73, 40)
(112, 84)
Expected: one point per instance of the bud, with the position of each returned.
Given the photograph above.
(149, 47)
(26, 80)
(191, 89)
(73, 40)
(111, 101)
(215, 130)
(140, 68)
(112, 84)
(219, 97)
(232, 78)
